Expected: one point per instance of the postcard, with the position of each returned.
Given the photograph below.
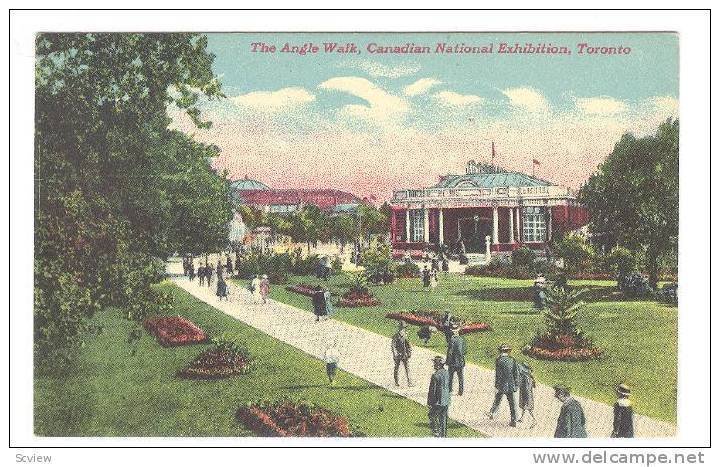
(395, 235)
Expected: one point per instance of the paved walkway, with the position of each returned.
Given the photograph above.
(367, 355)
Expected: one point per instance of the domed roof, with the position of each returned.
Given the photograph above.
(248, 184)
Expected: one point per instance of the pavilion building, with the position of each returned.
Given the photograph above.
(492, 212)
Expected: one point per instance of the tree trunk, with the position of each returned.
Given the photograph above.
(653, 265)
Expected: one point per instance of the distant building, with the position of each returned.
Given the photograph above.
(511, 208)
(256, 194)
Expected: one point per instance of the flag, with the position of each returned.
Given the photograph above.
(536, 162)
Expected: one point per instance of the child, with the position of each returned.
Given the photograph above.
(332, 358)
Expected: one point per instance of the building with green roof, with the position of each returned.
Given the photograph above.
(486, 209)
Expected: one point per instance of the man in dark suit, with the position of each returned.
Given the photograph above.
(456, 356)
(438, 399)
(401, 351)
(623, 414)
(507, 376)
(571, 421)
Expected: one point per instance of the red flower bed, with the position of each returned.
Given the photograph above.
(475, 327)
(172, 331)
(415, 317)
(561, 347)
(286, 418)
(216, 364)
(428, 318)
(354, 298)
(303, 289)
(567, 354)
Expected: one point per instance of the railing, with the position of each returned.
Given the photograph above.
(430, 194)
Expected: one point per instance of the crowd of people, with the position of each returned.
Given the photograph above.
(514, 381)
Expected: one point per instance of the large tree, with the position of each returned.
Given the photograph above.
(117, 191)
(633, 197)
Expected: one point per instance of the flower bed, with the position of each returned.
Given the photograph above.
(354, 298)
(287, 418)
(567, 354)
(171, 331)
(216, 364)
(561, 348)
(429, 318)
(303, 289)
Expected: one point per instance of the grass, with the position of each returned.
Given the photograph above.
(113, 393)
(639, 337)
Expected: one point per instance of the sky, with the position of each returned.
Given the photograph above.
(371, 123)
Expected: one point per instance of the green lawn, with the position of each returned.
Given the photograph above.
(112, 393)
(639, 337)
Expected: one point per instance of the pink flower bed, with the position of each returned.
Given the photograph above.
(171, 331)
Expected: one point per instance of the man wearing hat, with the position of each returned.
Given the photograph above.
(438, 399)
(456, 356)
(507, 376)
(571, 422)
(401, 350)
(623, 414)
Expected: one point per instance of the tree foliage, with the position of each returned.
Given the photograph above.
(633, 198)
(117, 191)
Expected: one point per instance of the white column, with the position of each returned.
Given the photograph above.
(511, 230)
(441, 226)
(407, 224)
(495, 226)
(426, 225)
(518, 225)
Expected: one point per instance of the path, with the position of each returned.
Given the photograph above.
(367, 355)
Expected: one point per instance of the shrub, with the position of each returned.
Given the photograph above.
(337, 264)
(523, 257)
(575, 251)
(407, 270)
(378, 263)
(563, 339)
(621, 261)
(276, 266)
(634, 285)
(668, 294)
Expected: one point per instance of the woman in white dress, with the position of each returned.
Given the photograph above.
(255, 289)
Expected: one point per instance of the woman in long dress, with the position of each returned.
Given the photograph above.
(264, 288)
(255, 289)
(527, 392)
(221, 291)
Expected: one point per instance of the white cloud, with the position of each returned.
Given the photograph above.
(275, 101)
(420, 86)
(451, 98)
(376, 69)
(527, 99)
(381, 104)
(665, 104)
(600, 105)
